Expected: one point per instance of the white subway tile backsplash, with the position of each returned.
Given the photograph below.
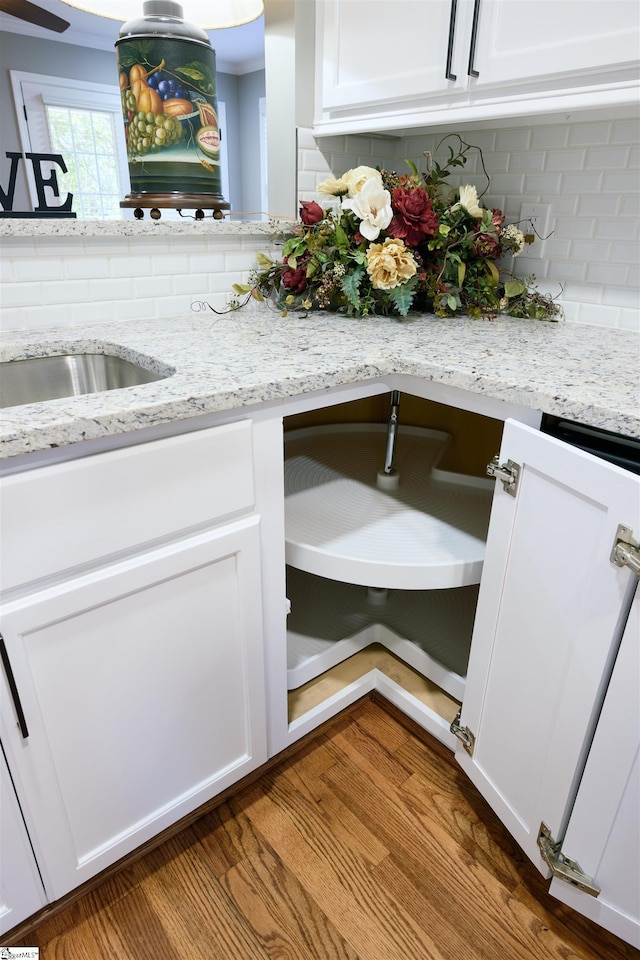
(240, 261)
(633, 278)
(507, 183)
(137, 308)
(531, 160)
(617, 229)
(580, 183)
(133, 266)
(164, 264)
(556, 249)
(589, 133)
(598, 206)
(565, 159)
(30, 269)
(626, 131)
(539, 184)
(626, 296)
(624, 252)
(576, 227)
(621, 181)
(67, 291)
(599, 158)
(7, 270)
(98, 311)
(607, 273)
(590, 249)
(115, 289)
(551, 136)
(630, 205)
(585, 170)
(206, 263)
(629, 319)
(145, 287)
(581, 292)
(85, 267)
(512, 140)
(566, 269)
(599, 315)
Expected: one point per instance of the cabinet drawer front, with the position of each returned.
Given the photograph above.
(71, 514)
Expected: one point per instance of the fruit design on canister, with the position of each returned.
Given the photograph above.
(208, 136)
(145, 94)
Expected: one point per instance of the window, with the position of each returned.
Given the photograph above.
(86, 139)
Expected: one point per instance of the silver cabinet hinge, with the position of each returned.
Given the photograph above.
(626, 550)
(466, 737)
(562, 867)
(508, 472)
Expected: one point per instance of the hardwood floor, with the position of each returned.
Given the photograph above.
(367, 844)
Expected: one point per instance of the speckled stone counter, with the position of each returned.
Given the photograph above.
(34, 228)
(253, 356)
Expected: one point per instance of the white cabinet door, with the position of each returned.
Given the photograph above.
(604, 830)
(380, 52)
(550, 614)
(142, 687)
(383, 66)
(519, 40)
(21, 890)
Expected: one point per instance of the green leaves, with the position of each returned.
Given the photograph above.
(402, 296)
(513, 288)
(200, 75)
(351, 286)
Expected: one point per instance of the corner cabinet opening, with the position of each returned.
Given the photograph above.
(386, 516)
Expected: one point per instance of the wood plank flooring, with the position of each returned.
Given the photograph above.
(367, 844)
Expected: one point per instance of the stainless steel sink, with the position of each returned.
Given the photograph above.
(49, 378)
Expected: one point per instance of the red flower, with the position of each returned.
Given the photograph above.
(310, 212)
(295, 280)
(413, 218)
(497, 219)
(486, 245)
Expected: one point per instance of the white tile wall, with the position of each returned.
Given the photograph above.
(587, 171)
(63, 281)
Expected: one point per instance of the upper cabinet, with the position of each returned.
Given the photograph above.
(385, 67)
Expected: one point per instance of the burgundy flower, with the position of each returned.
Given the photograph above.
(310, 212)
(486, 245)
(497, 219)
(295, 280)
(413, 218)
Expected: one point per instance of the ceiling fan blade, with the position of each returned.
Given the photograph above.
(25, 10)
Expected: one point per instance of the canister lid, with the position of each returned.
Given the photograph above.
(163, 18)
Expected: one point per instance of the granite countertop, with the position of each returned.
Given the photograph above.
(252, 356)
(29, 228)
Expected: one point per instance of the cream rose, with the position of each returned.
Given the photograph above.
(355, 179)
(469, 200)
(389, 264)
(333, 188)
(372, 207)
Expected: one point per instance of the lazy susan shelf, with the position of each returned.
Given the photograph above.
(429, 533)
(331, 621)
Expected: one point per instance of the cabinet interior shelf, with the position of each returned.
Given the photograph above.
(429, 533)
(430, 630)
(369, 565)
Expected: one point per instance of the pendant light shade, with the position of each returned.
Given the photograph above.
(207, 14)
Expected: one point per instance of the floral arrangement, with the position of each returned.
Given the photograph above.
(383, 243)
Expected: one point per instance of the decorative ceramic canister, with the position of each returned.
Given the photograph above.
(167, 73)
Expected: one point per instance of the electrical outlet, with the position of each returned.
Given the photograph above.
(534, 221)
